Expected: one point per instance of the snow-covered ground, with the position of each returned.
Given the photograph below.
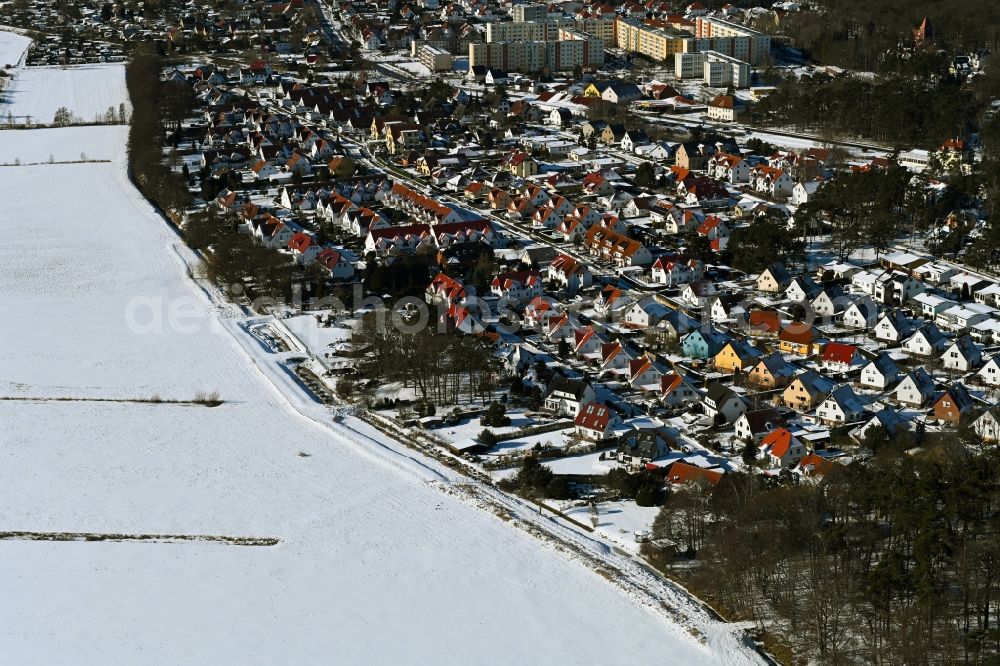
(381, 559)
(12, 48)
(62, 145)
(86, 90)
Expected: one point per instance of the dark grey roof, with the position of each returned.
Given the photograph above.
(576, 387)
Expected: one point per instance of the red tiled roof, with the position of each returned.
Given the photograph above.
(681, 472)
(838, 352)
(594, 416)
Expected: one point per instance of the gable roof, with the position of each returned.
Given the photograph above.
(594, 416)
(778, 442)
(680, 472)
(838, 352)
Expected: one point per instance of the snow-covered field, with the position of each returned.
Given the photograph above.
(86, 90)
(381, 558)
(62, 145)
(12, 48)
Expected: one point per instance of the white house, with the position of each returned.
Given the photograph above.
(336, 264)
(676, 391)
(927, 341)
(893, 327)
(565, 396)
(896, 288)
(916, 389)
(732, 169)
(802, 192)
(931, 305)
(989, 374)
(699, 293)
(886, 418)
(782, 448)
(517, 286)
(569, 273)
(645, 372)
(880, 373)
(862, 313)
(727, 307)
(672, 270)
(841, 406)
(987, 426)
(963, 355)
(802, 289)
(645, 313)
(771, 181)
(828, 303)
(595, 421)
(963, 317)
(721, 402)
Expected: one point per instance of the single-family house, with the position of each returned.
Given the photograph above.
(926, 341)
(736, 356)
(595, 421)
(964, 355)
(796, 338)
(841, 357)
(644, 313)
(569, 273)
(703, 343)
(987, 426)
(564, 396)
(676, 391)
(860, 314)
(806, 390)
(842, 406)
(952, 403)
(723, 404)
(773, 280)
(771, 371)
(699, 293)
(640, 446)
(916, 389)
(989, 374)
(893, 327)
(879, 373)
(754, 424)
(782, 449)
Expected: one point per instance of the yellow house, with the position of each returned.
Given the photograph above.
(591, 91)
(736, 356)
(806, 391)
(796, 338)
(522, 165)
(771, 372)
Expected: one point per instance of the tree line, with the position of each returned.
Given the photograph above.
(154, 103)
(896, 110)
(441, 368)
(895, 560)
(859, 34)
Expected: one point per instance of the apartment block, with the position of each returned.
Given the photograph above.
(522, 13)
(571, 50)
(653, 42)
(714, 68)
(759, 43)
(435, 59)
(548, 30)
